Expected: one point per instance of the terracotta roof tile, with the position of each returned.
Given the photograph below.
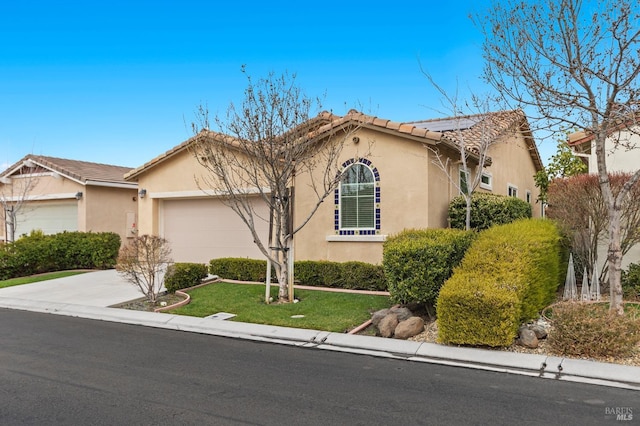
(488, 125)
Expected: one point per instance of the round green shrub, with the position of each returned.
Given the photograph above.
(184, 275)
(418, 262)
(487, 210)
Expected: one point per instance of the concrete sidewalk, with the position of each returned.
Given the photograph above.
(110, 289)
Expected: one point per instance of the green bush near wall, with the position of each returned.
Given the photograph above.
(184, 275)
(487, 210)
(348, 275)
(508, 275)
(38, 253)
(418, 262)
(239, 268)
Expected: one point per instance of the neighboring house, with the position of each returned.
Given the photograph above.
(623, 150)
(56, 195)
(392, 184)
(623, 155)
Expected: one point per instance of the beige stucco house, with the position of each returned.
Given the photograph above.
(55, 195)
(393, 184)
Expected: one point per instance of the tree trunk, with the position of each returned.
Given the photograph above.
(283, 257)
(283, 279)
(614, 212)
(468, 213)
(614, 257)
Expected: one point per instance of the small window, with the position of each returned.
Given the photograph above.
(528, 196)
(512, 191)
(486, 181)
(463, 181)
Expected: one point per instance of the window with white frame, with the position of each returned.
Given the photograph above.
(512, 190)
(486, 181)
(357, 198)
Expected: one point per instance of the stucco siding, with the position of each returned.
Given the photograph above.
(402, 167)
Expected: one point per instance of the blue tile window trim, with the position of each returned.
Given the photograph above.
(336, 198)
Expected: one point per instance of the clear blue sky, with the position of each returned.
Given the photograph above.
(118, 82)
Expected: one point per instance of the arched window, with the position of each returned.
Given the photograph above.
(358, 200)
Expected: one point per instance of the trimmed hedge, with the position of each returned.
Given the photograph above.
(39, 253)
(507, 276)
(239, 268)
(184, 275)
(348, 275)
(487, 210)
(418, 262)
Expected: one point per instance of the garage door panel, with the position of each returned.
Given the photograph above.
(51, 218)
(203, 229)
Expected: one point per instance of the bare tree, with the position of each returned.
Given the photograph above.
(475, 129)
(259, 149)
(144, 262)
(576, 203)
(14, 195)
(577, 63)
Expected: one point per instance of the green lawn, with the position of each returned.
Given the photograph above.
(36, 278)
(338, 312)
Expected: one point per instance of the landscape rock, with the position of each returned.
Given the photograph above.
(409, 328)
(378, 315)
(387, 325)
(403, 314)
(528, 338)
(540, 331)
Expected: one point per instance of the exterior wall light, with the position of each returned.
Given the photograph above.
(142, 193)
(78, 195)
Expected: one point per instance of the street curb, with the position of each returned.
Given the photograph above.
(542, 366)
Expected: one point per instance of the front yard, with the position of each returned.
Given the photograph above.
(319, 310)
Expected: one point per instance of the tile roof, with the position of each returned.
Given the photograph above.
(81, 171)
(472, 128)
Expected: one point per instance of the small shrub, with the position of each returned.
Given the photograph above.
(144, 262)
(487, 210)
(418, 262)
(473, 310)
(589, 329)
(631, 282)
(184, 275)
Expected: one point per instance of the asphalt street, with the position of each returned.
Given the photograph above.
(64, 370)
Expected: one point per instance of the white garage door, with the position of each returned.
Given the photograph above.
(51, 218)
(203, 229)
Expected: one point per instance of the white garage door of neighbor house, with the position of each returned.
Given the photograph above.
(51, 218)
(203, 229)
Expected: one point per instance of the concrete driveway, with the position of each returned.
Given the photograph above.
(99, 288)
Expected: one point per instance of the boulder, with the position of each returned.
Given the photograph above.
(402, 313)
(528, 338)
(540, 331)
(387, 325)
(378, 315)
(409, 328)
